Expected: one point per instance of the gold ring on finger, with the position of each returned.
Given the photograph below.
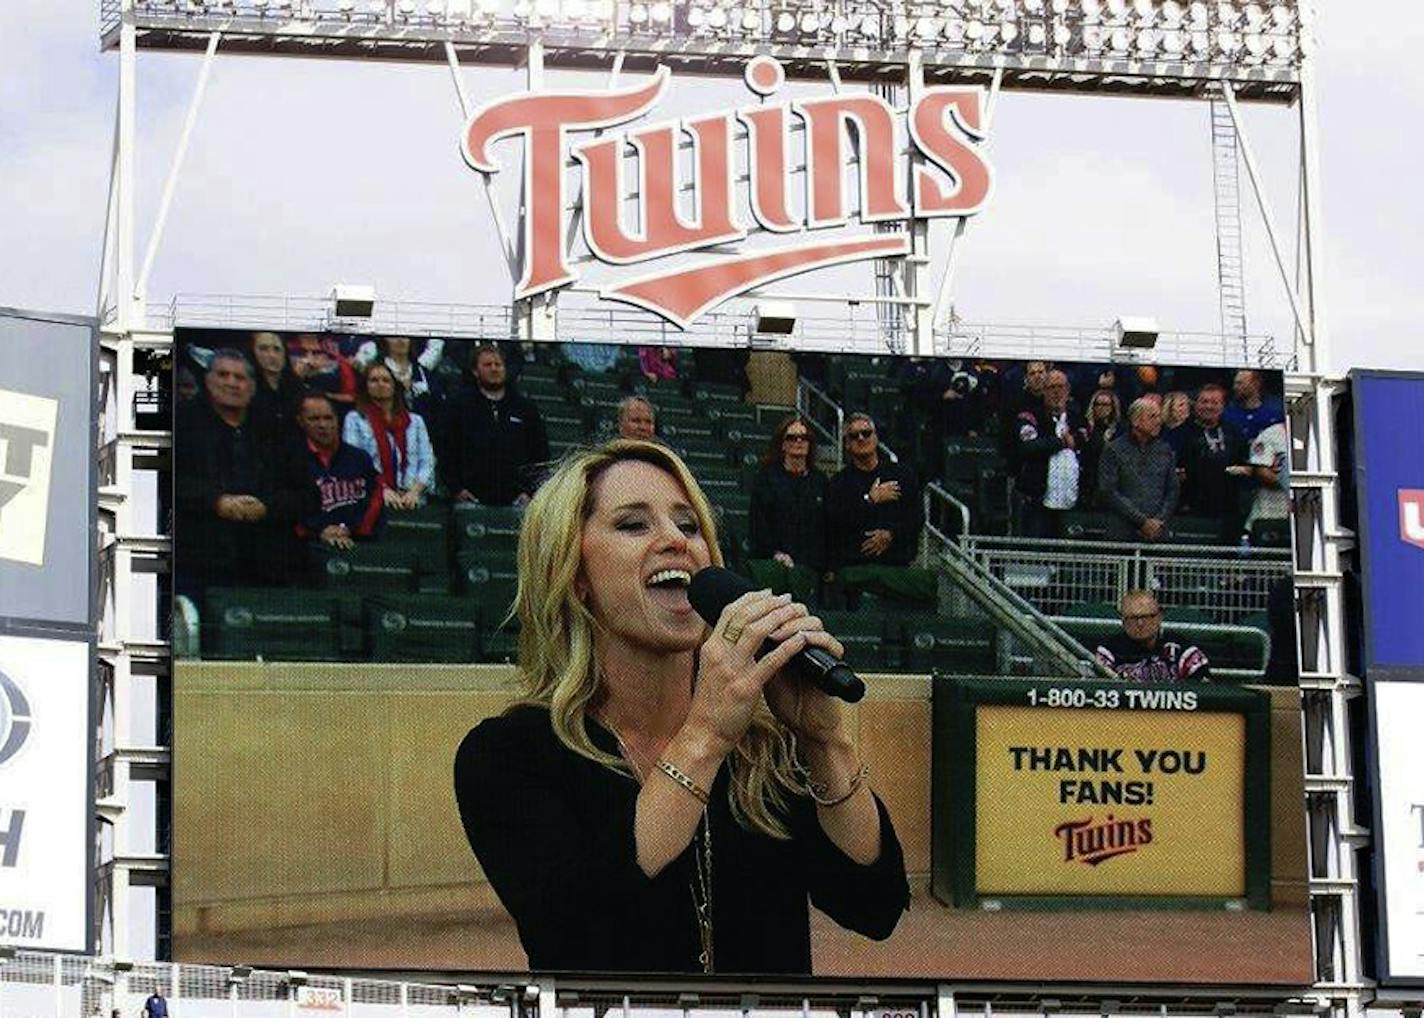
(732, 631)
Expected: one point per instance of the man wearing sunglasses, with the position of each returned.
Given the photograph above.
(874, 517)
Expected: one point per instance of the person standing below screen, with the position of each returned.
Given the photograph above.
(495, 437)
(1139, 653)
(155, 1006)
(1049, 441)
(662, 800)
(787, 524)
(236, 483)
(348, 488)
(395, 439)
(1250, 411)
(1137, 478)
(1214, 463)
(637, 419)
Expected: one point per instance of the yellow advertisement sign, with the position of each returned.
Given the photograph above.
(1122, 802)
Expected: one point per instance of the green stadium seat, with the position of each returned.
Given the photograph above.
(546, 392)
(425, 531)
(372, 566)
(688, 429)
(864, 636)
(1087, 525)
(738, 416)
(247, 623)
(1093, 610)
(1271, 533)
(603, 388)
(716, 393)
(1187, 613)
(1194, 530)
(479, 527)
(418, 628)
(959, 646)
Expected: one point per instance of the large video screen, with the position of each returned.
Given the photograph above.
(579, 658)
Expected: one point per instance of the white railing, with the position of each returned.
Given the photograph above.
(1055, 576)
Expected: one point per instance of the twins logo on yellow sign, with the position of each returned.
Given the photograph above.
(1090, 802)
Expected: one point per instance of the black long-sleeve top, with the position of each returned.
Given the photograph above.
(788, 514)
(215, 459)
(849, 515)
(554, 833)
(493, 447)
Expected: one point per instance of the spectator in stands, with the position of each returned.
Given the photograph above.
(155, 1006)
(787, 526)
(623, 681)
(1103, 425)
(237, 486)
(347, 485)
(278, 387)
(495, 438)
(1270, 467)
(1030, 397)
(592, 358)
(413, 363)
(1140, 654)
(637, 419)
(396, 439)
(1176, 415)
(658, 363)
(1047, 444)
(873, 520)
(1137, 478)
(318, 362)
(1250, 411)
(1213, 463)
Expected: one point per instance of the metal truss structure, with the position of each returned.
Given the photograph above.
(1225, 52)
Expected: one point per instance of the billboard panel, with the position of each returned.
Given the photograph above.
(44, 793)
(47, 500)
(1389, 473)
(356, 689)
(1399, 819)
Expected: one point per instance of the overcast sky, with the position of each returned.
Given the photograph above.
(302, 174)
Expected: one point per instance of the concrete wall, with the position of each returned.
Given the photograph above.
(313, 793)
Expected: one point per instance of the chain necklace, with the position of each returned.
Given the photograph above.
(701, 884)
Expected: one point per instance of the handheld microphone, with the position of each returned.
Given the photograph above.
(713, 588)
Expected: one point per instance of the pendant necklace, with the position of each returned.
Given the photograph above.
(701, 884)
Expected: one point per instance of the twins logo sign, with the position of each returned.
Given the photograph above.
(944, 173)
(27, 426)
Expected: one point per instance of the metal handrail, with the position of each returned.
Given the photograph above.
(1011, 612)
(806, 392)
(934, 491)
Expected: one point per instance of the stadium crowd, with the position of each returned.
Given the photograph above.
(295, 448)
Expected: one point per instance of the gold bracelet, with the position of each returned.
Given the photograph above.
(682, 779)
(818, 791)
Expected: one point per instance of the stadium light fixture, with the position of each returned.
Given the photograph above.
(239, 974)
(775, 318)
(1136, 333)
(296, 978)
(349, 301)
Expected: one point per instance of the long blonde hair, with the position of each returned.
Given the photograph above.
(556, 629)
